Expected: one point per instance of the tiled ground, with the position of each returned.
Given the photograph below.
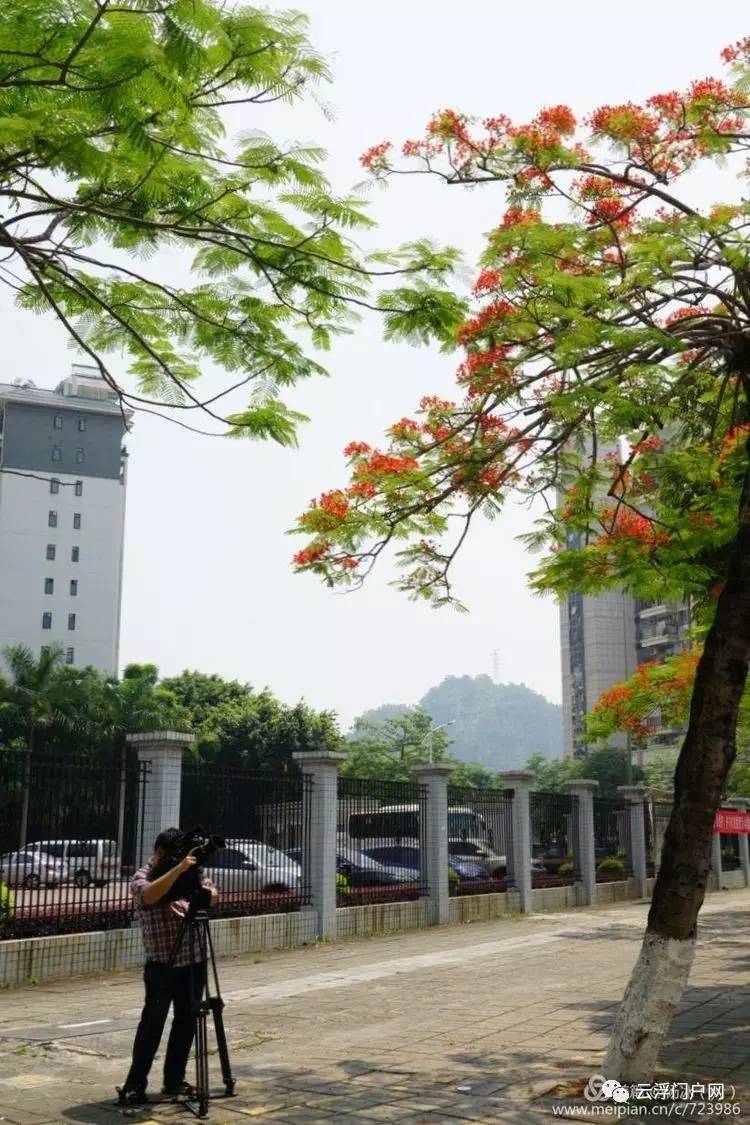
(470, 1023)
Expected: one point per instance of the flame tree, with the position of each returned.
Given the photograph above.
(609, 305)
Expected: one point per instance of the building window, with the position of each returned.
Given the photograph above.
(81, 425)
(46, 620)
(79, 488)
(52, 519)
(74, 587)
(75, 554)
(77, 521)
(49, 585)
(54, 486)
(79, 456)
(71, 621)
(70, 655)
(56, 453)
(58, 422)
(51, 552)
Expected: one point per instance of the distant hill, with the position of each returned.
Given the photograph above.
(496, 725)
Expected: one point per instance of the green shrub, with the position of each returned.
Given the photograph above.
(565, 869)
(453, 881)
(611, 865)
(342, 886)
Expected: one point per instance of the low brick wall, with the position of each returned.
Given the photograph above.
(732, 880)
(48, 958)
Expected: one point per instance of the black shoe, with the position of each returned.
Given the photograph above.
(127, 1098)
(181, 1090)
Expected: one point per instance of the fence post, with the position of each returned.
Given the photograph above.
(741, 803)
(434, 840)
(584, 847)
(159, 801)
(519, 859)
(319, 859)
(634, 797)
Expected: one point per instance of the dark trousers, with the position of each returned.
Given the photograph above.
(165, 987)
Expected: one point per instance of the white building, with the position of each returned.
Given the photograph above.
(62, 516)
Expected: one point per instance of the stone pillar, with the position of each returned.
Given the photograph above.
(433, 840)
(319, 860)
(634, 797)
(160, 752)
(519, 859)
(741, 803)
(584, 851)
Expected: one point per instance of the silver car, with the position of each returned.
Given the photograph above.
(248, 865)
(31, 869)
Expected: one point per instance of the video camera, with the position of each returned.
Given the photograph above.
(178, 845)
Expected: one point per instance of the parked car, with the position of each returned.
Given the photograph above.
(359, 869)
(87, 861)
(31, 868)
(249, 865)
(495, 865)
(406, 857)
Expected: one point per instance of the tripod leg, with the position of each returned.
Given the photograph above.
(221, 1042)
(217, 1007)
(201, 1064)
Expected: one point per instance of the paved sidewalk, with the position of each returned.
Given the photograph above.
(473, 1023)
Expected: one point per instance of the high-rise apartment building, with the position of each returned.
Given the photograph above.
(603, 640)
(62, 517)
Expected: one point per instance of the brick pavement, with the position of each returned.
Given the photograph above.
(471, 1023)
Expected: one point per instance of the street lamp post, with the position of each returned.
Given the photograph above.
(430, 735)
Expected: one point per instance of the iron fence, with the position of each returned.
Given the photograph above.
(70, 838)
(264, 821)
(380, 830)
(611, 839)
(479, 839)
(551, 817)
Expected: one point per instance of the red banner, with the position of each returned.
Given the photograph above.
(732, 822)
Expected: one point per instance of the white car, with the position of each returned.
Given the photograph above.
(248, 865)
(31, 868)
(87, 861)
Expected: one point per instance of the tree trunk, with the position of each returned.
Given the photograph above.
(708, 751)
(23, 831)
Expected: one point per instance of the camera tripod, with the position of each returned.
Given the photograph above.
(195, 931)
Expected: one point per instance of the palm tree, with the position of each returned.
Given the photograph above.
(134, 703)
(32, 688)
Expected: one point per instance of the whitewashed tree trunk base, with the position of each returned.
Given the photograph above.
(650, 1000)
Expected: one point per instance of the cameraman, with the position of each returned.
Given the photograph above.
(160, 918)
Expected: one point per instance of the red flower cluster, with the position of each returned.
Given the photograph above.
(432, 402)
(519, 217)
(356, 449)
(686, 314)
(448, 123)
(490, 360)
(698, 520)
(648, 445)
(310, 554)
(334, 504)
(404, 428)
(380, 464)
(374, 160)
(740, 49)
(362, 490)
(488, 279)
(485, 319)
(710, 89)
(557, 118)
(626, 524)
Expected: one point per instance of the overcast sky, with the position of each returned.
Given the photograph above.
(208, 583)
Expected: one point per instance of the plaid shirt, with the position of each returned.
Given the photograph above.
(160, 922)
